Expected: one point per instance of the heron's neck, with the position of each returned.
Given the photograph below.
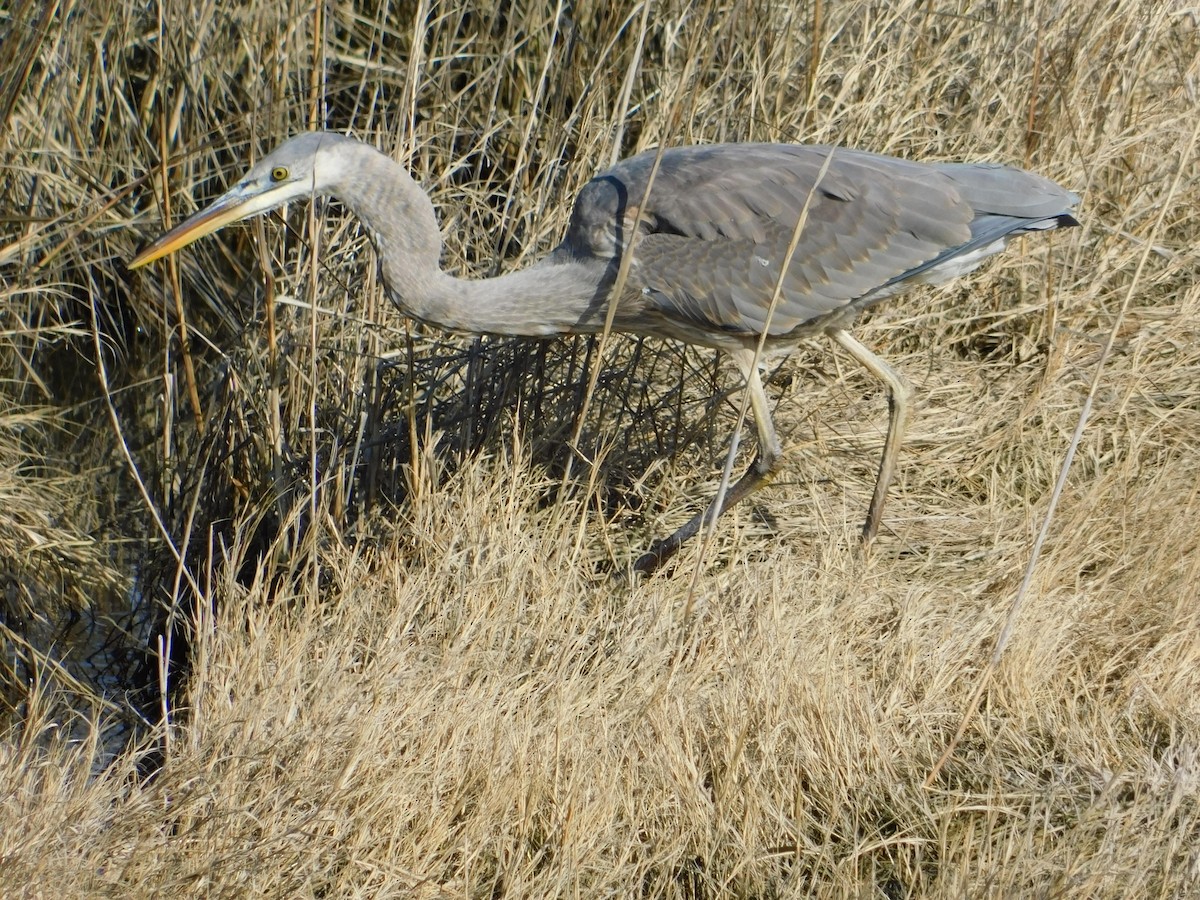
(551, 297)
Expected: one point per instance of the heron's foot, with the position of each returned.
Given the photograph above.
(761, 471)
(650, 561)
(664, 548)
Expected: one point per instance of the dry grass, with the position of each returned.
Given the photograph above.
(371, 595)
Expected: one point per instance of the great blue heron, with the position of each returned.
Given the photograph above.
(733, 246)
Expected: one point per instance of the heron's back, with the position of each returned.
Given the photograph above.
(718, 221)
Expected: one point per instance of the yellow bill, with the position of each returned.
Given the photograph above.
(240, 202)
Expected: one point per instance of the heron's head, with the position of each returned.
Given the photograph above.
(304, 166)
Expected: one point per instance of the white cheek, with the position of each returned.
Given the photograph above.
(330, 168)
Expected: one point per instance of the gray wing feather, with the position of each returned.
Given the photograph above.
(719, 219)
(1004, 191)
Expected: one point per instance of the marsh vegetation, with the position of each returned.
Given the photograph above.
(303, 599)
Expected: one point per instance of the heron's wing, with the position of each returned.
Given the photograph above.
(1004, 191)
(718, 221)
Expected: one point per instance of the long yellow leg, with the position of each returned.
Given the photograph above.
(767, 461)
(899, 394)
(765, 464)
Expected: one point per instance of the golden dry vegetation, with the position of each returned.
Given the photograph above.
(303, 600)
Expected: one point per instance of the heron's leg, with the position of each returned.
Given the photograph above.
(899, 395)
(765, 464)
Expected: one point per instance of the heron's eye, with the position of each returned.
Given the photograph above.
(279, 173)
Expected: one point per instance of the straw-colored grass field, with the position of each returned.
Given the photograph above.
(301, 599)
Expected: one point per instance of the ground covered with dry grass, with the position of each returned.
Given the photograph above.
(301, 599)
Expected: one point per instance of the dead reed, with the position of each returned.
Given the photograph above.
(301, 599)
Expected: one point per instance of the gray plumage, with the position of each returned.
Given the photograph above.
(709, 250)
